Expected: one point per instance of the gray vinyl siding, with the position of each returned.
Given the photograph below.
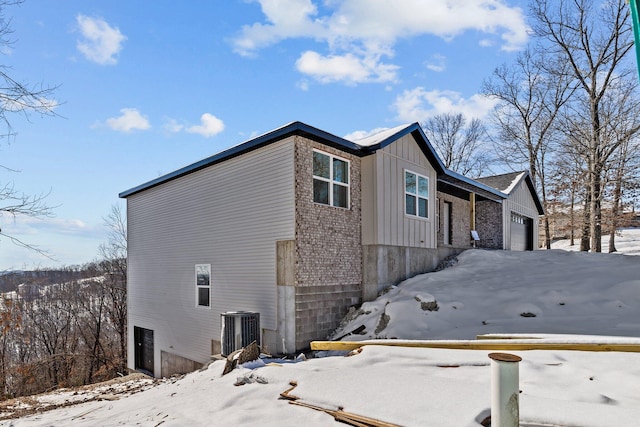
(229, 215)
(383, 212)
(520, 201)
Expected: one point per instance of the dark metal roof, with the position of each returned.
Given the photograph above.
(470, 185)
(302, 129)
(423, 142)
(298, 128)
(295, 128)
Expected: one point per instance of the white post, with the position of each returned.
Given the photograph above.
(505, 391)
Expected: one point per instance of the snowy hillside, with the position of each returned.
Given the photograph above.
(485, 292)
(501, 291)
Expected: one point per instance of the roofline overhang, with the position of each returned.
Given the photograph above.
(534, 193)
(460, 181)
(295, 128)
(423, 142)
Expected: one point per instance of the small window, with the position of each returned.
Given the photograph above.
(330, 180)
(203, 285)
(416, 194)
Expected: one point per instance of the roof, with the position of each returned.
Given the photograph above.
(380, 136)
(361, 148)
(460, 181)
(294, 128)
(508, 182)
(504, 182)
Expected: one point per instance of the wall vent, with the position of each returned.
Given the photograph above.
(239, 329)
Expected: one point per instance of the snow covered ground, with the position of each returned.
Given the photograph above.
(626, 241)
(542, 292)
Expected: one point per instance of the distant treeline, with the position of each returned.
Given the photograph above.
(10, 280)
(62, 328)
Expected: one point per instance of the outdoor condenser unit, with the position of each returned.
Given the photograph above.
(239, 329)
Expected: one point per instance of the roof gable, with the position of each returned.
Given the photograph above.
(382, 139)
(361, 148)
(508, 182)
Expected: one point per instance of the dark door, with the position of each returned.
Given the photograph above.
(447, 231)
(521, 233)
(144, 349)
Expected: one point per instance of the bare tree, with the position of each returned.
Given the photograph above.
(19, 98)
(593, 40)
(620, 117)
(458, 144)
(530, 93)
(114, 268)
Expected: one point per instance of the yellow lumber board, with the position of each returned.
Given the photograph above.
(481, 345)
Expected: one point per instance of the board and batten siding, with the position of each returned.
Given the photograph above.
(520, 201)
(384, 221)
(229, 215)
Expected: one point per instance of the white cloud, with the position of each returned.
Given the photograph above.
(438, 63)
(285, 19)
(172, 126)
(303, 85)
(129, 120)
(209, 125)
(359, 33)
(418, 104)
(26, 225)
(100, 42)
(346, 68)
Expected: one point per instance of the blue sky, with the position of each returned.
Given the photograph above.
(147, 87)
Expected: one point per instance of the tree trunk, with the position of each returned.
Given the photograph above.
(595, 223)
(572, 217)
(586, 215)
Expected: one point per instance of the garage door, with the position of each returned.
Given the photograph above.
(521, 233)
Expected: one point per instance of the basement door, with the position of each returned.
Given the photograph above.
(144, 349)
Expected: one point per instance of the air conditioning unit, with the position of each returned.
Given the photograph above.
(239, 329)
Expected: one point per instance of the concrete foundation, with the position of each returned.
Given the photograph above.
(384, 266)
(172, 364)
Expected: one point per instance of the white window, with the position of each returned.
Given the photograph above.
(330, 180)
(203, 285)
(416, 194)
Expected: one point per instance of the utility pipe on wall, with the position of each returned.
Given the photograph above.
(505, 390)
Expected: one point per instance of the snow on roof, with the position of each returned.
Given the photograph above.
(380, 136)
(505, 182)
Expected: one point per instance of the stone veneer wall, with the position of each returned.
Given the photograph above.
(328, 249)
(460, 227)
(489, 224)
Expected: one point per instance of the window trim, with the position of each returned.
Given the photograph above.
(205, 269)
(405, 193)
(332, 181)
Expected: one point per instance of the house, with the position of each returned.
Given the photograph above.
(518, 214)
(296, 225)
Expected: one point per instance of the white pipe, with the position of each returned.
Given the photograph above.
(505, 391)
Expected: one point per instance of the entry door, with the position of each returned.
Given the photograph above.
(446, 225)
(144, 349)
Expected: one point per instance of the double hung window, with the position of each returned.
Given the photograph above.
(203, 285)
(330, 180)
(416, 194)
